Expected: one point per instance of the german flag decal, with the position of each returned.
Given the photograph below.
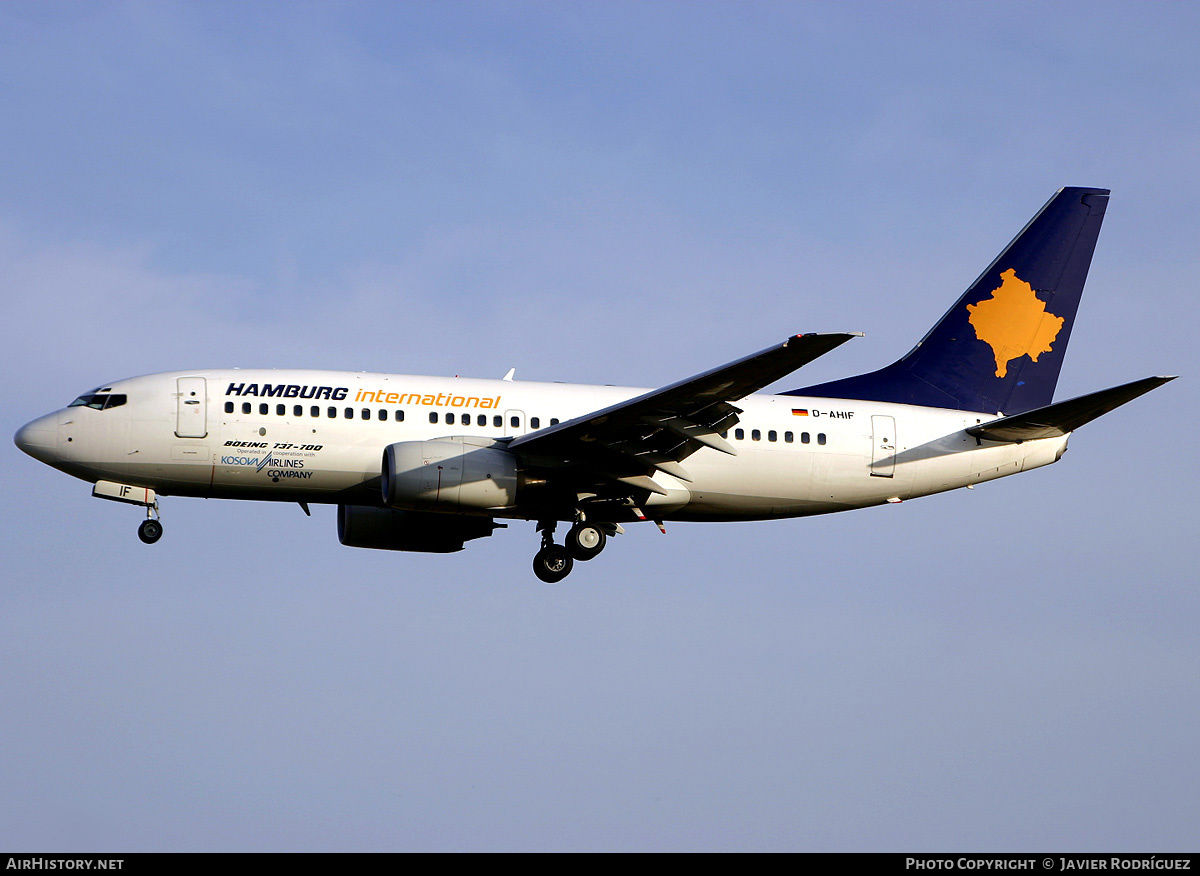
(800, 412)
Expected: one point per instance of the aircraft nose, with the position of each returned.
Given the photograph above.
(39, 438)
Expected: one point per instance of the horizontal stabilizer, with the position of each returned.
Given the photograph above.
(1056, 420)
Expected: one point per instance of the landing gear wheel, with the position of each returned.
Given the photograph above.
(552, 563)
(150, 531)
(585, 541)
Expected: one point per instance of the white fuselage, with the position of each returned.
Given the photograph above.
(318, 437)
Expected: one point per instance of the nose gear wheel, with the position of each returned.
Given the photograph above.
(150, 531)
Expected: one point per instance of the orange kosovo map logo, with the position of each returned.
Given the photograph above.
(1014, 322)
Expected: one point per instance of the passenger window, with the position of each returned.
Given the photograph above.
(481, 420)
(381, 414)
(246, 407)
(399, 416)
(755, 435)
(229, 407)
(515, 422)
(433, 417)
(314, 411)
(772, 435)
(349, 412)
(739, 434)
(366, 413)
(298, 411)
(804, 438)
(280, 410)
(497, 421)
(264, 409)
(554, 421)
(820, 437)
(332, 412)
(787, 437)
(450, 419)
(535, 422)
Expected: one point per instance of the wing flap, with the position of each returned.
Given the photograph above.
(641, 482)
(700, 432)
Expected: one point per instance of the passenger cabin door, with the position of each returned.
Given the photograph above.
(191, 408)
(883, 446)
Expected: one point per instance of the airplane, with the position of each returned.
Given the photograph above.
(430, 463)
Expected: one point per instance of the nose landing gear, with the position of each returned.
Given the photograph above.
(151, 529)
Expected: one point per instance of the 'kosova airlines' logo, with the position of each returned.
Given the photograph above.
(260, 463)
(1014, 322)
(277, 467)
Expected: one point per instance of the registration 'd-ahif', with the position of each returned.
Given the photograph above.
(429, 463)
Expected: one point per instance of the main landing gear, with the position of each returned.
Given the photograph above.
(585, 541)
(151, 529)
(554, 562)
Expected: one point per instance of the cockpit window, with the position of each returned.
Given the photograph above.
(99, 401)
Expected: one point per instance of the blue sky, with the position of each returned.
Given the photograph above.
(612, 193)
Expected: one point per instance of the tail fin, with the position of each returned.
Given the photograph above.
(1001, 346)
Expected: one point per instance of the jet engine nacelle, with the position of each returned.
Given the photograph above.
(391, 530)
(449, 474)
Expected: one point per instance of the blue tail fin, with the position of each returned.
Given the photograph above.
(1001, 346)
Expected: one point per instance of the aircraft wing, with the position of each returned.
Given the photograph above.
(1062, 418)
(629, 441)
